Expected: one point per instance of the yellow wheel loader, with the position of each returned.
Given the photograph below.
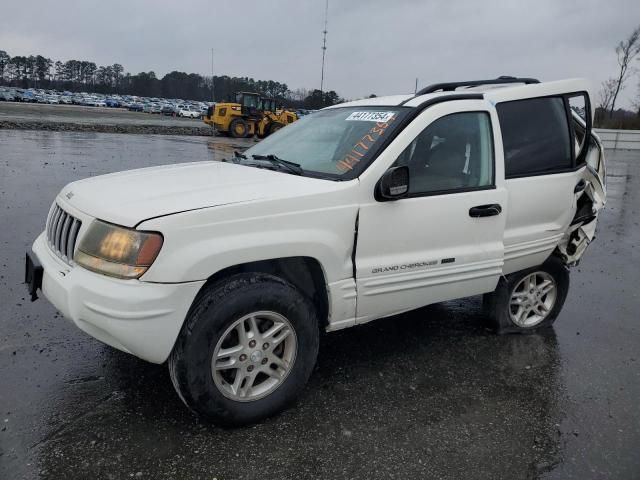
(250, 115)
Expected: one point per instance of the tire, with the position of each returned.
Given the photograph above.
(238, 128)
(274, 127)
(210, 323)
(506, 316)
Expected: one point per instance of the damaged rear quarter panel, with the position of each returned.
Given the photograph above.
(583, 227)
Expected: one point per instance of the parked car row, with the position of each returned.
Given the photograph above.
(174, 107)
(168, 107)
(165, 106)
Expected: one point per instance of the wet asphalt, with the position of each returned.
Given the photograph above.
(428, 394)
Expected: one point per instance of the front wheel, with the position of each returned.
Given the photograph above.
(528, 300)
(246, 350)
(274, 127)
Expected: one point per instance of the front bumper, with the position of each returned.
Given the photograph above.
(137, 317)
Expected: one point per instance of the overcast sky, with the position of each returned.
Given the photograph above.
(374, 46)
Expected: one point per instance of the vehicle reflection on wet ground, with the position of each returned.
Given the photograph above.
(428, 394)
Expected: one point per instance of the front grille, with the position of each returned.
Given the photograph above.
(62, 233)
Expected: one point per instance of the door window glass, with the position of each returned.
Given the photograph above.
(535, 135)
(453, 153)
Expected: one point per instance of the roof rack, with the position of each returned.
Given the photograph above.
(450, 86)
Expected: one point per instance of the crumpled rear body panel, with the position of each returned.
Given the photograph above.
(590, 202)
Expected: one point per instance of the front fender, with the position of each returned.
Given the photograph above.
(199, 243)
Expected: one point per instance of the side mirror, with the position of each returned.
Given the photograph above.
(394, 183)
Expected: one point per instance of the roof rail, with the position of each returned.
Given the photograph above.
(450, 86)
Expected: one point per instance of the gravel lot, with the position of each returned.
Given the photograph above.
(34, 116)
(428, 394)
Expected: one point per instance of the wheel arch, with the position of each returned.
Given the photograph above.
(304, 273)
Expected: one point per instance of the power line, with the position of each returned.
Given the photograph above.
(324, 43)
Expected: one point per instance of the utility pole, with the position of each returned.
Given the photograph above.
(416, 89)
(324, 44)
(213, 94)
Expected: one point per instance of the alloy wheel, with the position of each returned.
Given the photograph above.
(254, 356)
(532, 299)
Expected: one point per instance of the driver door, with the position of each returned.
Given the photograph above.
(444, 240)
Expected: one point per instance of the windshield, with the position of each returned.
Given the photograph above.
(247, 100)
(336, 143)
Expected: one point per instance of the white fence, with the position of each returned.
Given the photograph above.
(619, 139)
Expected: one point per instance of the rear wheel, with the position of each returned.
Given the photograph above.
(238, 128)
(246, 350)
(530, 299)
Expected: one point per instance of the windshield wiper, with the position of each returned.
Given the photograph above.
(294, 168)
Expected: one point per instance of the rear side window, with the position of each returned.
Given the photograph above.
(535, 135)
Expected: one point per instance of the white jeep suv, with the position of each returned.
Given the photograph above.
(228, 271)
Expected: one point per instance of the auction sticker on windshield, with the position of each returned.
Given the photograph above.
(370, 116)
(360, 149)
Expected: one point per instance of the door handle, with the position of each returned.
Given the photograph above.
(485, 210)
(580, 186)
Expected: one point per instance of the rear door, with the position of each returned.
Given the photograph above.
(544, 169)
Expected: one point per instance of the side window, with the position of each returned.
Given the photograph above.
(535, 135)
(453, 153)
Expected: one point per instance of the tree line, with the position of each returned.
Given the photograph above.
(37, 71)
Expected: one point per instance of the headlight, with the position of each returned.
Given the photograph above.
(117, 251)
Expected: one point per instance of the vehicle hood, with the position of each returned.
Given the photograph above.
(130, 197)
